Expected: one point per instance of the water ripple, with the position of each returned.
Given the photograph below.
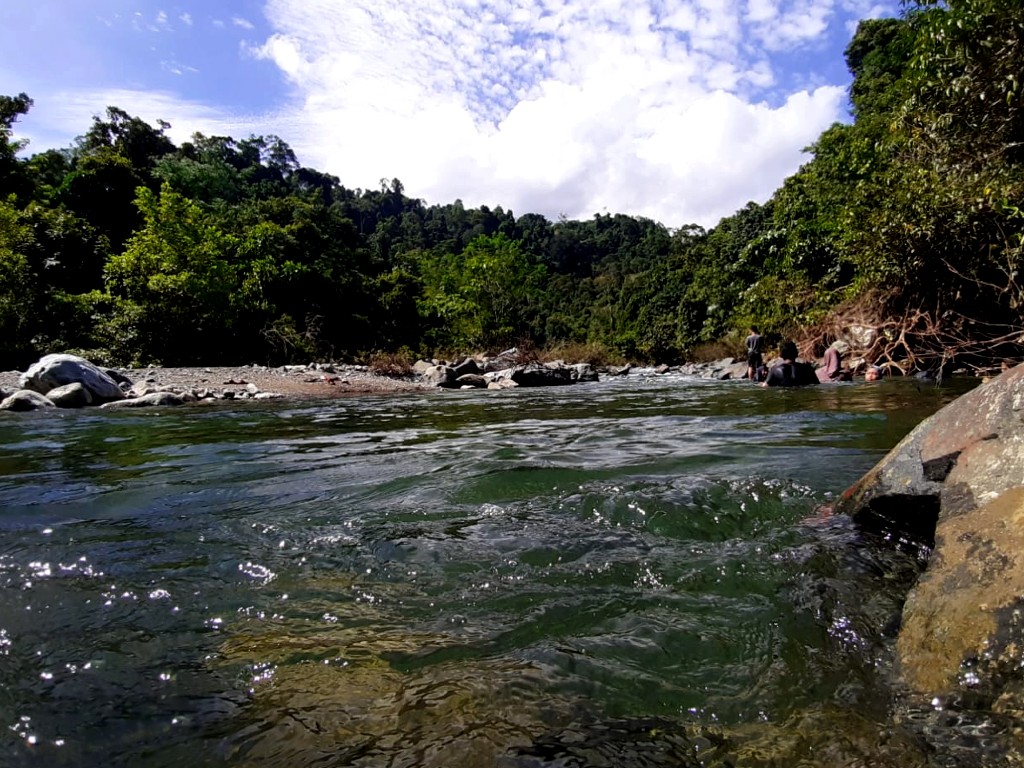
(442, 579)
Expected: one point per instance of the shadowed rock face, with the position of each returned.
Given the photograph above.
(958, 479)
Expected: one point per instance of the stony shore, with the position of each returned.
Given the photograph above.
(290, 381)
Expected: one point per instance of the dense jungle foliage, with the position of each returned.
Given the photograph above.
(909, 219)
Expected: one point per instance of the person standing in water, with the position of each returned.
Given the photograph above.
(790, 373)
(755, 345)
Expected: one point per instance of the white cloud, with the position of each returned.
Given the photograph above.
(671, 109)
(177, 68)
(70, 113)
(238, 21)
(186, 19)
(553, 105)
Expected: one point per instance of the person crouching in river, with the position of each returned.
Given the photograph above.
(833, 370)
(790, 373)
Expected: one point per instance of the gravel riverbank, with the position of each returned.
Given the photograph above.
(290, 381)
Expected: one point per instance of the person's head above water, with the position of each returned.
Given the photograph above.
(787, 351)
(873, 373)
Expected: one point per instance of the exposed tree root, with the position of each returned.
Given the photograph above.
(912, 340)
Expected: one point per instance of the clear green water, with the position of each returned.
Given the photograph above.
(629, 571)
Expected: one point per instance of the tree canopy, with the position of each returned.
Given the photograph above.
(908, 218)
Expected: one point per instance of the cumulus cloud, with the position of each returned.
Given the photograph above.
(554, 106)
(70, 113)
(679, 110)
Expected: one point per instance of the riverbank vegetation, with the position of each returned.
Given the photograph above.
(905, 228)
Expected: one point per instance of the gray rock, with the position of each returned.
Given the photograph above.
(57, 370)
(70, 396)
(26, 400)
(440, 376)
(140, 388)
(420, 367)
(466, 367)
(122, 380)
(471, 381)
(533, 375)
(583, 372)
(151, 399)
(958, 478)
(501, 384)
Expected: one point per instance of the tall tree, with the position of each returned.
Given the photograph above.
(173, 282)
(484, 295)
(13, 179)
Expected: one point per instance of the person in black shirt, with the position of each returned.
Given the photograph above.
(790, 373)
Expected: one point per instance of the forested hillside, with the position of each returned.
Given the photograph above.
(130, 249)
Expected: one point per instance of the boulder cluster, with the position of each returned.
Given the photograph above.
(69, 381)
(504, 372)
(497, 373)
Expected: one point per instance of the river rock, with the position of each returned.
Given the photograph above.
(26, 400)
(70, 396)
(471, 381)
(468, 366)
(150, 399)
(538, 375)
(583, 372)
(54, 371)
(958, 479)
(440, 376)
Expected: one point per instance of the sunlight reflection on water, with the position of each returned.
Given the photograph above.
(446, 579)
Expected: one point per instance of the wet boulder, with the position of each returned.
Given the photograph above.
(957, 482)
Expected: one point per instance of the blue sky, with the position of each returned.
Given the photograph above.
(679, 110)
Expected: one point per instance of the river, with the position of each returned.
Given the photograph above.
(631, 571)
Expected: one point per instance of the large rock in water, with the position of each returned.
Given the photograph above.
(54, 371)
(959, 476)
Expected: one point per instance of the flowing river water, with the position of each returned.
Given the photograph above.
(627, 573)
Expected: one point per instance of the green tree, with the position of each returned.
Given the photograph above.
(13, 179)
(18, 289)
(173, 282)
(483, 296)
